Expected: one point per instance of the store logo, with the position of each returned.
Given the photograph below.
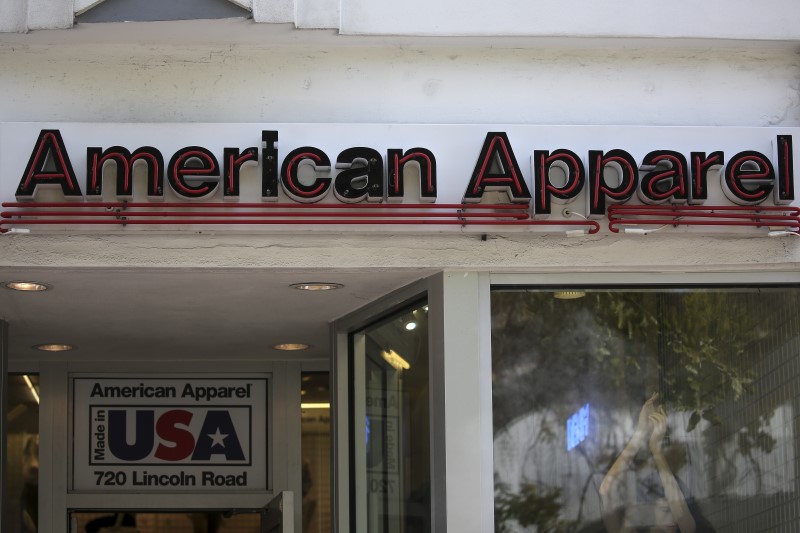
(362, 174)
(122, 435)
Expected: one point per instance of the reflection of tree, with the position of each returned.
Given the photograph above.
(531, 506)
(614, 349)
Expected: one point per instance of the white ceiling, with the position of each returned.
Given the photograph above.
(182, 314)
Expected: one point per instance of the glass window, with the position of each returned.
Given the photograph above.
(22, 454)
(391, 424)
(646, 410)
(315, 428)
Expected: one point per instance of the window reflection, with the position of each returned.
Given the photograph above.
(392, 358)
(22, 453)
(645, 410)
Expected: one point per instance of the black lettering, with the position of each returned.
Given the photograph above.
(124, 160)
(233, 162)
(362, 177)
(193, 163)
(497, 170)
(566, 162)
(749, 178)
(600, 189)
(49, 164)
(425, 162)
(291, 177)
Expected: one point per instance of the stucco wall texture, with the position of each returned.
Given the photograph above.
(330, 78)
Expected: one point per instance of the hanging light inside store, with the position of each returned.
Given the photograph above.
(569, 295)
(26, 286)
(54, 347)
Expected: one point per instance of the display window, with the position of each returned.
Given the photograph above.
(645, 409)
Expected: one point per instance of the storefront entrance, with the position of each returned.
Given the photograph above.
(599, 402)
(178, 375)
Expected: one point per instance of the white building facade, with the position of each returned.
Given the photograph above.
(479, 164)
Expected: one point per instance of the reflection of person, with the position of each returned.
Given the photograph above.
(668, 514)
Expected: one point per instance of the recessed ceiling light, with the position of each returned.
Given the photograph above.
(54, 347)
(28, 286)
(568, 295)
(411, 325)
(316, 286)
(291, 346)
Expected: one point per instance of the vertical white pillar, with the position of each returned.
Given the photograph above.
(50, 14)
(286, 434)
(459, 357)
(13, 16)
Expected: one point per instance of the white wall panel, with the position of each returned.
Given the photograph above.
(49, 14)
(279, 11)
(716, 19)
(711, 19)
(317, 14)
(441, 84)
(13, 15)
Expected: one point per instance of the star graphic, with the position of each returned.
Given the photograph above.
(217, 438)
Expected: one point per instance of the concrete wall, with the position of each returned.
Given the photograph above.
(712, 19)
(717, 19)
(321, 77)
(597, 83)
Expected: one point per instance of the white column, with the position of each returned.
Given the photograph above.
(461, 403)
(13, 16)
(277, 11)
(50, 14)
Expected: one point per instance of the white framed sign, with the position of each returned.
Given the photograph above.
(171, 433)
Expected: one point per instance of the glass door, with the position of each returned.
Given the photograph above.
(390, 423)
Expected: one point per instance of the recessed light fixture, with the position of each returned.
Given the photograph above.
(292, 346)
(568, 295)
(54, 347)
(316, 286)
(27, 286)
(410, 325)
